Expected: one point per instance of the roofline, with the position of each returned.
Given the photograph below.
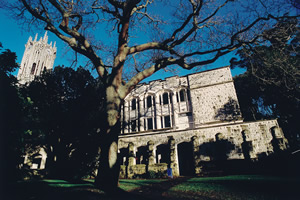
(147, 83)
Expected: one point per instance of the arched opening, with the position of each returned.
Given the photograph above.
(123, 156)
(163, 154)
(186, 159)
(141, 155)
(277, 141)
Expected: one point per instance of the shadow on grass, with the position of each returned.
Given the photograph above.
(230, 187)
(63, 190)
(129, 185)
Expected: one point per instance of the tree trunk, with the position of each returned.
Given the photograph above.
(109, 168)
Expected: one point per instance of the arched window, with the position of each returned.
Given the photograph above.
(149, 101)
(33, 68)
(182, 95)
(165, 98)
(133, 104)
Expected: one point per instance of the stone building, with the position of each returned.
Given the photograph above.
(38, 56)
(185, 122)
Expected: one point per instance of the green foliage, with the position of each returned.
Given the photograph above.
(7, 61)
(63, 114)
(10, 118)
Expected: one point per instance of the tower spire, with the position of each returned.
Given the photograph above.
(45, 39)
(29, 40)
(35, 38)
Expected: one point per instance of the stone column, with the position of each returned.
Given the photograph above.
(157, 112)
(196, 146)
(174, 110)
(131, 154)
(141, 113)
(173, 155)
(43, 158)
(151, 159)
(126, 117)
(247, 147)
(131, 160)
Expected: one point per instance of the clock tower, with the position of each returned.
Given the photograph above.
(38, 56)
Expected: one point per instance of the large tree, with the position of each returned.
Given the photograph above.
(129, 40)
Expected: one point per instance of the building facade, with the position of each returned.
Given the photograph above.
(38, 56)
(186, 122)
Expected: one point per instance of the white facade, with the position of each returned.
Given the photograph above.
(180, 103)
(38, 56)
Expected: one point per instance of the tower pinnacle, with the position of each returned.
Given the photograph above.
(38, 55)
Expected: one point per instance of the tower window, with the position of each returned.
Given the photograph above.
(182, 95)
(33, 68)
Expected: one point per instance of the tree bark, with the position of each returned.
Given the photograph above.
(109, 168)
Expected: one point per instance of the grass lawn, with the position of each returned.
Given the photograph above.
(227, 187)
(238, 187)
(125, 184)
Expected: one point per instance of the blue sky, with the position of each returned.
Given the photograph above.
(14, 37)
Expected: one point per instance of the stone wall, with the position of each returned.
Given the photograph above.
(237, 141)
(142, 170)
(209, 104)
